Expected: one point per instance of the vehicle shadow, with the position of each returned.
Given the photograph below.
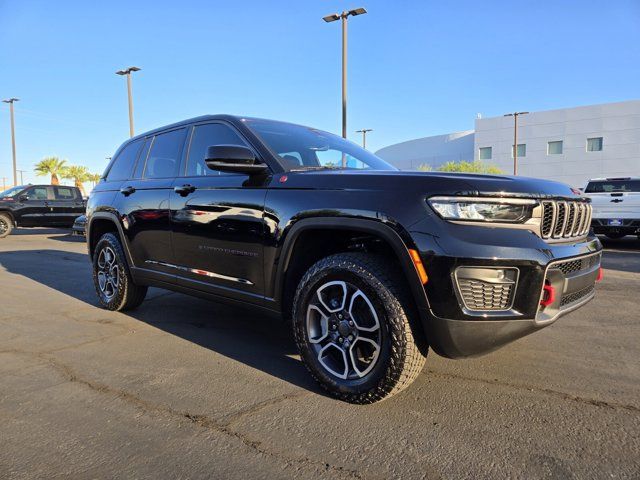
(256, 339)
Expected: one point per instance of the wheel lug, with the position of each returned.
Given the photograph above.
(350, 337)
(334, 326)
(351, 323)
(340, 339)
(340, 316)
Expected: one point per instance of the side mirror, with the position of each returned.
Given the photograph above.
(233, 158)
(23, 198)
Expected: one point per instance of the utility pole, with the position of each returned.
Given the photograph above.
(364, 135)
(11, 101)
(4, 183)
(21, 177)
(515, 116)
(127, 72)
(332, 18)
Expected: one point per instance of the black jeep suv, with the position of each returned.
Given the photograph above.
(372, 265)
(39, 206)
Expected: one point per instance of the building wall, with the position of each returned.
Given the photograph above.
(433, 151)
(617, 123)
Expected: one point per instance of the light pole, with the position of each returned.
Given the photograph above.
(127, 72)
(364, 135)
(10, 101)
(21, 176)
(515, 116)
(332, 18)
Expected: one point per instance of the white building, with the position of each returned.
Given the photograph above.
(570, 145)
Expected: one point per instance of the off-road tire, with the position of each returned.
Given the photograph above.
(127, 295)
(403, 346)
(6, 225)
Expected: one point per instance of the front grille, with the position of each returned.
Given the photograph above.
(575, 296)
(478, 295)
(565, 219)
(578, 265)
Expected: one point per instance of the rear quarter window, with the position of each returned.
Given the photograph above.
(122, 166)
(65, 193)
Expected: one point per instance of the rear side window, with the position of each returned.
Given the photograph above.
(38, 193)
(606, 186)
(205, 136)
(65, 193)
(165, 153)
(122, 166)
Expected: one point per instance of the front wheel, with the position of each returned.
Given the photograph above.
(111, 276)
(356, 332)
(6, 225)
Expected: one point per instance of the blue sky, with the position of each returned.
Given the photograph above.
(417, 68)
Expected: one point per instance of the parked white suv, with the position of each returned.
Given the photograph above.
(616, 206)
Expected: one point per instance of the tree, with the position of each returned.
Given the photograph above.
(469, 167)
(79, 175)
(425, 167)
(94, 178)
(51, 166)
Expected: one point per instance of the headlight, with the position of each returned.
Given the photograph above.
(479, 209)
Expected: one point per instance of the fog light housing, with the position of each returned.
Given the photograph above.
(484, 289)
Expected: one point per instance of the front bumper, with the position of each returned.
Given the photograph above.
(454, 331)
(627, 226)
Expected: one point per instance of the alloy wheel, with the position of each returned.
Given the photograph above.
(108, 273)
(344, 330)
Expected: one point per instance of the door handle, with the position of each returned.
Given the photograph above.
(126, 191)
(184, 190)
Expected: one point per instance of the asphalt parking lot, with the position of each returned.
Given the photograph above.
(186, 388)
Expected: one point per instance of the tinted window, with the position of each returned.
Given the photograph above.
(164, 156)
(38, 193)
(604, 186)
(122, 166)
(65, 193)
(142, 158)
(203, 137)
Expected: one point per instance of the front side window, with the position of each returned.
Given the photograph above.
(164, 156)
(485, 153)
(38, 193)
(122, 165)
(522, 150)
(65, 193)
(203, 137)
(303, 148)
(594, 144)
(554, 148)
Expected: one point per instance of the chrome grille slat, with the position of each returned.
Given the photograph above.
(565, 219)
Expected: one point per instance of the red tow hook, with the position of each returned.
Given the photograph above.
(549, 295)
(600, 275)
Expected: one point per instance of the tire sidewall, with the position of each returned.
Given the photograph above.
(380, 298)
(7, 220)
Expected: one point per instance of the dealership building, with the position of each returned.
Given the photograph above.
(571, 145)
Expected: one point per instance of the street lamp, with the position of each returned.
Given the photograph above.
(127, 72)
(515, 116)
(364, 135)
(332, 18)
(10, 101)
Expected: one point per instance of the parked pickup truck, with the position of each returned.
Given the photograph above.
(616, 206)
(373, 266)
(39, 206)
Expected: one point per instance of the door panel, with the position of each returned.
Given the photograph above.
(34, 211)
(66, 206)
(218, 234)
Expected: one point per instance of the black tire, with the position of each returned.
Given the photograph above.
(615, 236)
(6, 225)
(112, 279)
(402, 349)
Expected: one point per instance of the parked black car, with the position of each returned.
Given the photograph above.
(39, 206)
(79, 226)
(373, 265)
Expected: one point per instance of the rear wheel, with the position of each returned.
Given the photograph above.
(111, 276)
(6, 225)
(356, 332)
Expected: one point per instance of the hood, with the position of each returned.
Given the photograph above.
(432, 183)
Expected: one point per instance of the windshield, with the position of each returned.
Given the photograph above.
(606, 186)
(11, 192)
(305, 148)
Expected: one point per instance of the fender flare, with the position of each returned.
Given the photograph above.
(377, 228)
(113, 219)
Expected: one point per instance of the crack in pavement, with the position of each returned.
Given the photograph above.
(548, 391)
(200, 420)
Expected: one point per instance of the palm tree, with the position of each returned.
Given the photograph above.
(94, 178)
(51, 166)
(78, 174)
